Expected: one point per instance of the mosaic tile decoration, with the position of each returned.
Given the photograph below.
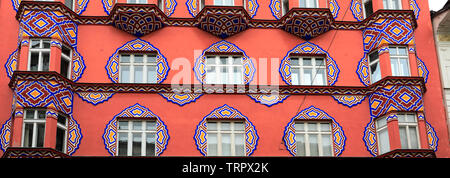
(432, 137)
(349, 100)
(414, 7)
(312, 112)
(422, 69)
(357, 10)
(79, 8)
(224, 47)
(226, 112)
(388, 31)
(363, 71)
(269, 99)
(78, 65)
(162, 67)
(95, 98)
(395, 98)
(169, 6)
(137, 112)
(275, 8)
(309, 48)
(307, 24)
(181, 98)
(5, 135)
(74, 136)
(194, 7)
(11, 63)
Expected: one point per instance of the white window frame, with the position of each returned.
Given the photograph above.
(35, 121)
(314, 69)
(397, 57)
(132, 65)
(68, 59)
(408, 126)
(308, 3)
(130, 131)
(218, 131)
(378, 130)
(137, 1)
(372, 63)
(63, 127)
(222, 2)
(40, 50)
(231, 78)
(364, 7)
(390, 4)
(319, 132)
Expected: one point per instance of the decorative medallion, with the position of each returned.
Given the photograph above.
(269, 99)
(181, 98)
(95, 97)
(349, 100)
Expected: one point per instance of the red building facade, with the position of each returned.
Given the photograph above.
(342, 78)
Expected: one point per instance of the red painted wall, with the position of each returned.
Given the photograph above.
(96, 43)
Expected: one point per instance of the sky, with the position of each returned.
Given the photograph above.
(436, 5)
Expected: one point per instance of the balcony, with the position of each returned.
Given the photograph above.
(223, 21)
(307, 23)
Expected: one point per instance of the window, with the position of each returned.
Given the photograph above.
(368, 8)
(313, 139)
(399, 61)
(285, 6)
(382, 135)
(224, 2)
(374, 66)
(392, 4)
(39, 58)
(224, 70)
(409, 133)
(69, 4)
(161, 5)
(33, 128)
(61, 133)
(137, 68)
(308, 71)
(136, 138)
(66, 58)
(308, 4)
(225, 138)
(137, 1)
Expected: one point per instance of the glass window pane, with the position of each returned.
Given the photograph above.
(150, 126)
(320, 62)
(313, 4)
(401, 118)
(66, 51)
(325, 127)
(302, 3)
(381, 122)
(150, 144)
(237, 60)
(402, 51)
(29, 114)
(124, 58)
(295, 62)
(410, 118)
(239, 142)
(123, 125)
(375, 72)
(295, 76)
(40, 135)
(393, 51)
(28, 135)
(307, 77)
(373, 57)
(307, 62)
(299, 127)
(61, 119)
(223, 60)
(237, 75)
(224, 75)
(226, 144)
(60, 139)
(212, 126)
(395, 67)
(137, 142)
(138, 74)
(385, 4)
(34, 61)
(225, 126)
(238, 126)
(151, 74)
(124, 74)
(313, 145)
(210, 60)
(64, 67)
(46, 61)
(123, 144)
(212, 144)
(35, 44)
(320, 77)
(138, 58)
(41, 114)
(312, 127)
(413, 136)
(300, 140)
(151, 59)
(326, 145)
(137, 125)
(404, 66)
(403, 138)
(46, 44)
(383, 141)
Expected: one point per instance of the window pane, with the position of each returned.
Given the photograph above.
(64, 68)
(300, 139)
(46, 61)
(326, 145)
(60, 139)
(212, 144)
(210, 74)
(40, 135)
(237, 60)
(28, 135)
(312, 127)
(299, 127)
(46, 44)
(150, 126)
(320, 62)
(124, 58)
(295, 62)
(404, 66)
(151, 59)
(307, 62)
(307, 77)
(373, 57)
(393, 51)
(385, 4)
(150, 144)
(212, 126)
(395, 67)
(223, 60)
(239, 142)
(226, 145)
(61, 119)
(34, 62)
(123, 144)
(302, 3)
(383, 141)
(381, 122)
(312, 3)
(139, 58)
(124, 74)
(137, 142)
(401, 118)
(35, 43)
(403, 138)
(375, 72)
(295, 76)
(325, 127)
(238, 126)
(41, 114)
(29, 114)
(410, 118)
(137, 125)
(225, 126)
(224, 75)
(320, 77)
(211, 60)
(413, 136)
(138, 74)
(313, 145)
(151, 74)
(237, 75)
(402, 51)
(66, 51)
(123, 125)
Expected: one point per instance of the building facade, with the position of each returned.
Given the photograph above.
(340, 78)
